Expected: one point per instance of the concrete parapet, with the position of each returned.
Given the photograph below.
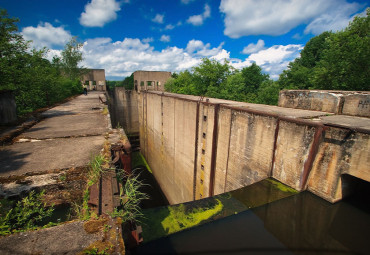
(338, 102)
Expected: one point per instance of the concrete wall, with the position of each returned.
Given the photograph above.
(124, 109)
(8, 109)
(94, 79)
(150, 80)
(354, 103)
(202, 147)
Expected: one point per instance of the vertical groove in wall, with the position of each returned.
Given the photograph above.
(214, 150)
(275, 144)
(228, 147)
(196, 148)
(311, 156)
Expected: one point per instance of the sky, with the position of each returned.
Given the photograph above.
(123, 36)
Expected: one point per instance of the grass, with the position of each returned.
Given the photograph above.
(26, 214)
(131, 197)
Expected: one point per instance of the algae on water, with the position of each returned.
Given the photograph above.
(180, 218)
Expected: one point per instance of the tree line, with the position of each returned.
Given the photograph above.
(329, 61)
(36, 81)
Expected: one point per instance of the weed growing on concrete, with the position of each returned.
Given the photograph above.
(26, 214)
(95, 169)
(105, 111)
(130, 196)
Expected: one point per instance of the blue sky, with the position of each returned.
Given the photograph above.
(123, 36)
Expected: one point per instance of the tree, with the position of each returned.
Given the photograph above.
(253, 78)
(128, 82)
(13, 52)
(336, 61)
(345, 62)
(71, 57)
(210, 76)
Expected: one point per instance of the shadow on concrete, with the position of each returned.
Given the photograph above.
(11, 161)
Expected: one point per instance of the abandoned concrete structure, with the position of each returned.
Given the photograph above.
(199, 147)
(150, 80)
(94, 79)
(8, 109)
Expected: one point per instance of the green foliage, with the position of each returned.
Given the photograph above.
(131, 197)
(128, 82)
(36, 81)
(26, 214)
(217, 80)
(71, 56)
(333, 61)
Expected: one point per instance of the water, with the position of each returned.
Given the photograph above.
(298, 224)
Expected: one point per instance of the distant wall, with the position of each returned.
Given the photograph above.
(201, 147)
(123, 109)
(94, 79)
(150, 80)
(354, 103)
(8, 109)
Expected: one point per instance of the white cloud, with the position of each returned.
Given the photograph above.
(197, 20)
(257, 17)
(165, 38)
(253, 48)
(272, 60)
(121, 58)
(158, 19)
(46, 35)
(335, 20)
(186, 1)
(148, 40)
(99, 12)
(169, 27)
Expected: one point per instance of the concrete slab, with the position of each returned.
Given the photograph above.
(347, 121)
(81, 104)
(57, 126)
(40, 156)
(70, 238)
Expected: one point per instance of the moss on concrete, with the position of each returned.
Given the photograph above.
(282, 186)
(139, 160)
(180, 218)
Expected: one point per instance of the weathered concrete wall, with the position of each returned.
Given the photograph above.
(357, 105)
(8, 108)
(150, 80)
(339, 102)
(94, 79)
(124, 109)
(198, 148)
(341, 151)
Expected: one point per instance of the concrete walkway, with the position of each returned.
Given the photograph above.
(68, 137)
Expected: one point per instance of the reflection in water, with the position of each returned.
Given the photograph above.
(299, 224)
(162, 221)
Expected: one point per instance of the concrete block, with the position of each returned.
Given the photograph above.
(357, 105)
(325, 101)
(341, 152)
(8, 109)
(292, 149)
(251, 149)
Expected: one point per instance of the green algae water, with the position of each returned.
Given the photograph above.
(298, 224)
(162, 221)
